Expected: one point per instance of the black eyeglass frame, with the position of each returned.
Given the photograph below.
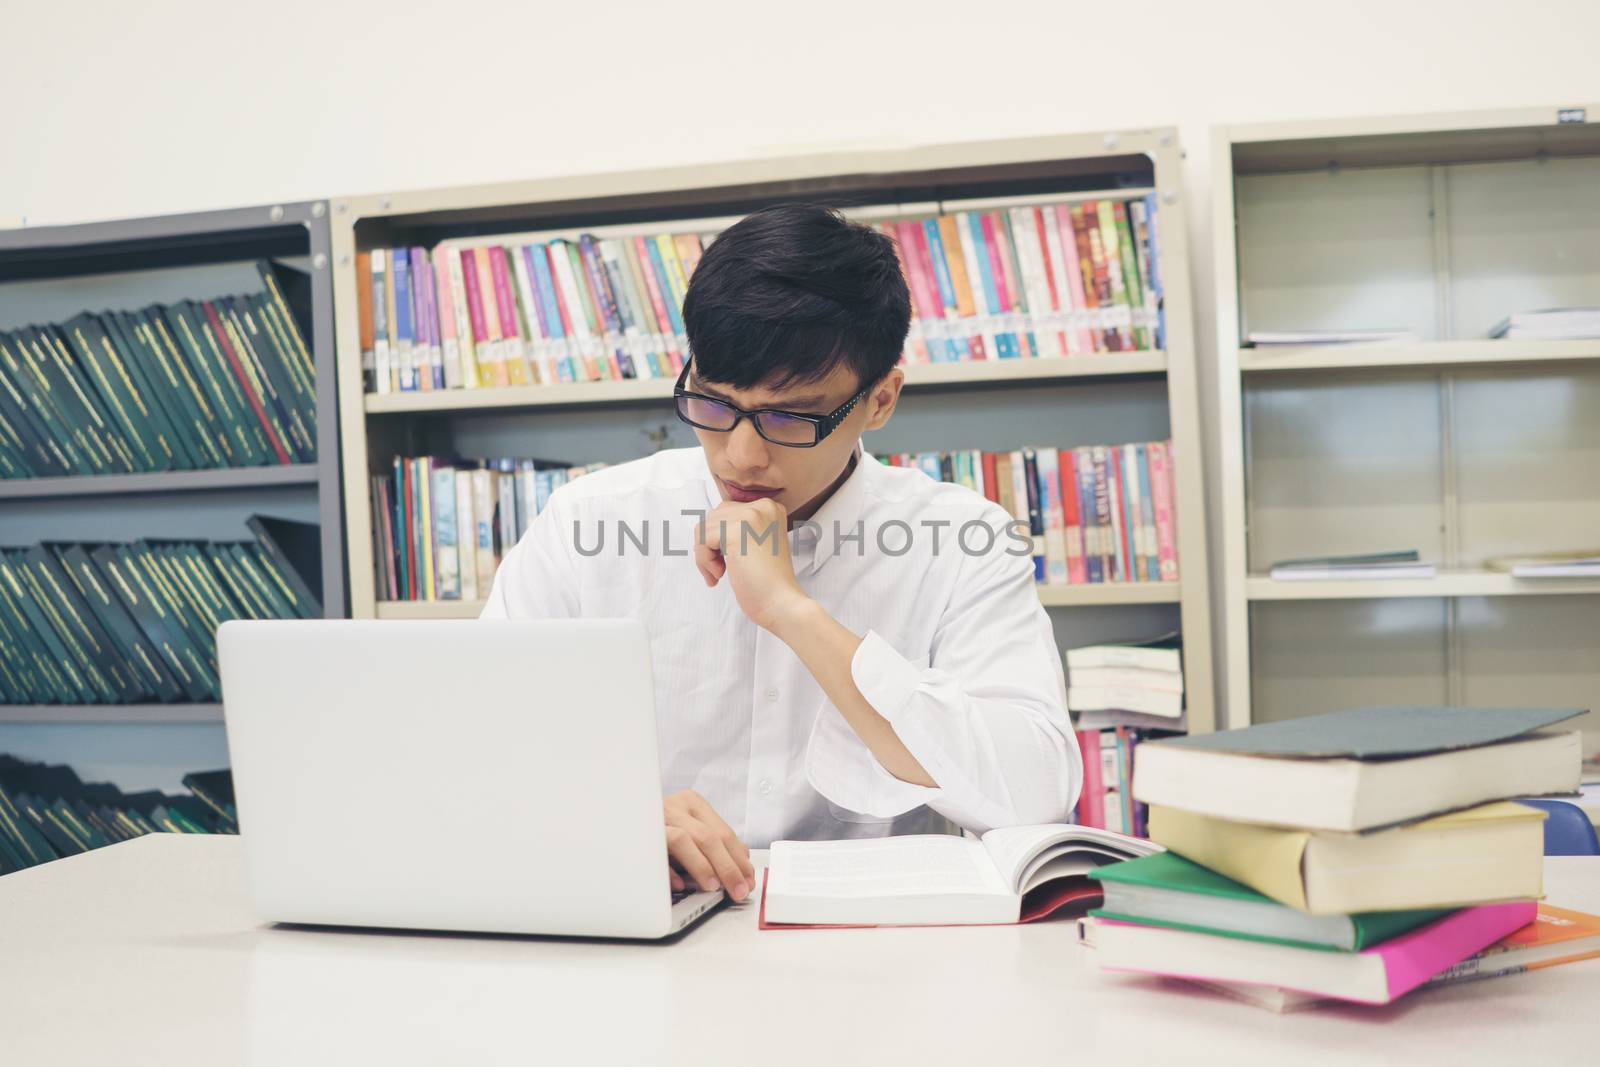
(822, 424)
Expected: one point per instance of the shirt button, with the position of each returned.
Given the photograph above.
(764, 786)
(771, 695)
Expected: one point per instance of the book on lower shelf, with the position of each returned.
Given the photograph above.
(190, 385)
(1023, 282)
(1013, 874)
(1100, 513)
(1369, 566)
(441, 526)
(136, 623)
(1549, 324)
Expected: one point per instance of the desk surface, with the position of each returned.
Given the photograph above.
(147, 953)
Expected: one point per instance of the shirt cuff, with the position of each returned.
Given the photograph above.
(839, 764)
(885, 677)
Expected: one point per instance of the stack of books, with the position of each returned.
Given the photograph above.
(1121, 696)
(1127, 685)
(48, 812)
(137, 623)
(1371, 566)
(441, 526)
(1101, 513)
(196, 384)
(1353, 855)
(1549, 324)
(1021, 282)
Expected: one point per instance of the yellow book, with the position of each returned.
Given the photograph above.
(1487, 853)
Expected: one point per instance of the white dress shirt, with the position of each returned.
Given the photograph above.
(958, 655)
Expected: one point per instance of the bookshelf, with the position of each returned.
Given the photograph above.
(49, 274)
(994, 405)
(1462, 447)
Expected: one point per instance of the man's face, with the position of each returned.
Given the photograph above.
(749, 467)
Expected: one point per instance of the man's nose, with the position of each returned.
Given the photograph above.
(746, 448)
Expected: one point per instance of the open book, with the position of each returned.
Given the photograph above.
(939, 880)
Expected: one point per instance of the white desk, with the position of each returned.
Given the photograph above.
(146, 953)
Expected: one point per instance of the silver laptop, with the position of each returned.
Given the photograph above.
(493, 776)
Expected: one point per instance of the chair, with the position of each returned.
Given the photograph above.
(1568, 831)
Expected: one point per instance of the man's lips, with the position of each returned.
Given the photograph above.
(746, 493)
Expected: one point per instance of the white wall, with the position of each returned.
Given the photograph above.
(114, 109)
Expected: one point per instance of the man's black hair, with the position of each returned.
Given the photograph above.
(792, 291)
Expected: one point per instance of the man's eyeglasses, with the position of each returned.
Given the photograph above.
(791, 429)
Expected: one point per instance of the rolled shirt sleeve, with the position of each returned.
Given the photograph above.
(985, 715)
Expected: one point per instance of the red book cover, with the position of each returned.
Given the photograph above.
(1091, 802)
(991, 477)
(1072, 517)
(1058, 297)
(250, 392)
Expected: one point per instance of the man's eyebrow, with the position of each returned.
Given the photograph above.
(809, 401)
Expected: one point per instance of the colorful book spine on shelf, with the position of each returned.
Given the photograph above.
(1094, 514)
(1049, 280)
(445, 524)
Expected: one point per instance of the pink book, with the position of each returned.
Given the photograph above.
(480, 328)
(1376, 975)
(657, 304)
(917, 349)
(924, 296)
(1069, 251)
(916, 346)
(1161, 495)
(505, 304)
(1013, 284)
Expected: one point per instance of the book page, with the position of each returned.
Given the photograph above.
(912, 866)
(1019, 851)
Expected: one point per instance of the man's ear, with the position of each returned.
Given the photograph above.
(882, 398)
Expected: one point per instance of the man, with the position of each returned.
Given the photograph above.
(840, 649)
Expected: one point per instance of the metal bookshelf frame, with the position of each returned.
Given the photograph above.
(1380, 141)
(194, 239)
(729, 189)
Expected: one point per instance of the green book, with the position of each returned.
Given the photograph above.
(182, 391)
(151, 614)
(101, 370)
(1167, 890)
(157, 405)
